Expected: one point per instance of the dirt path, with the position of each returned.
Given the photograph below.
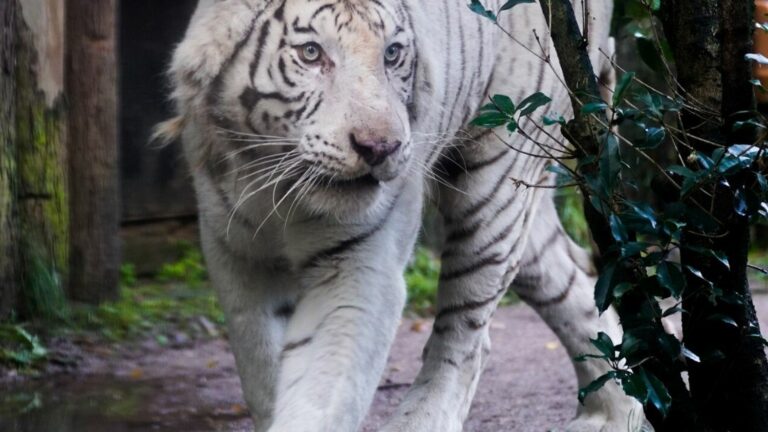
(529, 385)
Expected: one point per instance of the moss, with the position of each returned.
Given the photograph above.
(42, 187)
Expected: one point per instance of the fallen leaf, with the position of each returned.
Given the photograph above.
(420, 326)
(552, 346)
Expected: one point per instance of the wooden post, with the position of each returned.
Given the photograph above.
(39, 182)
(9, 253)
(94, 192)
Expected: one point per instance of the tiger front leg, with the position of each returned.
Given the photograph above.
(338, 339)
(487, 219)
(256, 316)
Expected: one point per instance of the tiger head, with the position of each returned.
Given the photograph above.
(327, 84)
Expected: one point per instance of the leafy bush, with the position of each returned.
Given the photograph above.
(422, 277)
(20, 348)
(189, 269)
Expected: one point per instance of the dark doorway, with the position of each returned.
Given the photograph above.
(155, 182)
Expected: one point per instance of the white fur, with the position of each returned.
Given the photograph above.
(276, 236)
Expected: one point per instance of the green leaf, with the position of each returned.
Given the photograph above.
(512, 3)
(478, 8)
(690, 355)
(559, 170)
(672, 311)
(489, 107)
(681, 170)
(618, 231)
(622, 86)
(603, 287)
(658, 395)
(504, 104)
(512, 126)
(725, 319)
(605, 345)
(720, 256)
(671, 277)
(596, 385)
(763, 183)
(532, 103)
(634, 386)
(610, 163)
(633, 249)
(550, 120)
(490, 119)
(640, 217)
(654, 137)
(594, 107)
(621, 289)
(696, 272)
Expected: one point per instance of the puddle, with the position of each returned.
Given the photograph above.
(106, 405)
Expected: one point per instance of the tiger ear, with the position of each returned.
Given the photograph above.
(214, 32)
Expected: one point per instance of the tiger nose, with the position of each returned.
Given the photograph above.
(374, 151)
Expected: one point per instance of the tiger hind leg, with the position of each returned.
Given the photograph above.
(557, 280)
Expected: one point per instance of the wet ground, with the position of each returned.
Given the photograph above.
(528, 386)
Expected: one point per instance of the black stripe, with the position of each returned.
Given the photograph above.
(495, 259)
(556, 234)
(295, 345)
(350, 243)
(488, 162)
(468, 306)
(495, 240)
(283, 74)
(216, 87)
(462, 67)
(480, 205)
(263, 34)
(554, 300)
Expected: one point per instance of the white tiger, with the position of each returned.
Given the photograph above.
(312, 127)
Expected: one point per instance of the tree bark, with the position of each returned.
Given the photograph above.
(41, 158)
(710, 38)
(9, 253)
(584, 130)
(92, 90)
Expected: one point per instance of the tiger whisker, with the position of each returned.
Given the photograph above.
(277, 205)
(259, 167)
(264, 160)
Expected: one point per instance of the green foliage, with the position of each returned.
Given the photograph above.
(20, 348)
(502, 111)
(189, 269)
(43, 294)
(477, 7)
(128, 276)
(421, 278)
(640, 265)
(150, 310)
(570, 207)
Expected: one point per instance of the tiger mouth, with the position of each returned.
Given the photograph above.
(366, 181)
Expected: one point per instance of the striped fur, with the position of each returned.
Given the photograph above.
(306, 237)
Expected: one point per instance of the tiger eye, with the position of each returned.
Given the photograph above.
(310, 52)
(392, 53)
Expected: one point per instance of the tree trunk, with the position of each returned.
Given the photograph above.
(710, 38)
(9, 258)
(92, 91)
(41, 157)
(583, 133)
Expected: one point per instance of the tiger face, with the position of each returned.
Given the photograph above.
(331, 82)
